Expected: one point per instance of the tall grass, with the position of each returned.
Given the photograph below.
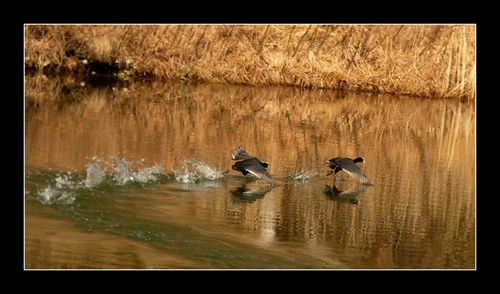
(436, 61)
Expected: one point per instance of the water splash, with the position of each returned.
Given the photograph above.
(64, 187)
(123, 172)
(302, 175)
(57, 194)
(95, 175)
(194, 170)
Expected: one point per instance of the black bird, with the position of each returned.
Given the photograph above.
(250, 164)
(349, 166)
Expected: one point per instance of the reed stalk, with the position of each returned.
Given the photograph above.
(433, 61)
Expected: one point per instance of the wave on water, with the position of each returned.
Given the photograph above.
(194, 170)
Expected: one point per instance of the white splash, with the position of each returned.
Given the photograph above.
(65, 186)
(193, 170)
(61, 193)
(148, 174)
(95, 175)
(123, 172)
(302, 175)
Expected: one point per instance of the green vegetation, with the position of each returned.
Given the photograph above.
(434, 61)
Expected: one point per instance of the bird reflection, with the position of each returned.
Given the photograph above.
(246, 195)
(345, 196)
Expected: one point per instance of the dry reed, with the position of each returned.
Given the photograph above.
(436, 61)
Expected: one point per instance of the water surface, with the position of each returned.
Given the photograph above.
(134, 177)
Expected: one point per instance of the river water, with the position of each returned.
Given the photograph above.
(134, 176)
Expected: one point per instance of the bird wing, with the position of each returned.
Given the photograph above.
(240, 153)
(265, 176)
(354, 171)
(259, 171)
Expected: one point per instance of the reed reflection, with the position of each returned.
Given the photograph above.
(420, 154)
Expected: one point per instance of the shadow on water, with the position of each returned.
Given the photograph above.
(349, 195)
(134, 177)
(249, 195)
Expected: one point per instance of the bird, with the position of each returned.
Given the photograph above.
(249, 164)
(349, 166)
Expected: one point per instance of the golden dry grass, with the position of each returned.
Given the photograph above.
(436, 61)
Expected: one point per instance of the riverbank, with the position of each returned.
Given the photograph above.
(432, 61)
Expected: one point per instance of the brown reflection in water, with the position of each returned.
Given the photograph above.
(420, 154)
(153, 121)
(55, 244)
